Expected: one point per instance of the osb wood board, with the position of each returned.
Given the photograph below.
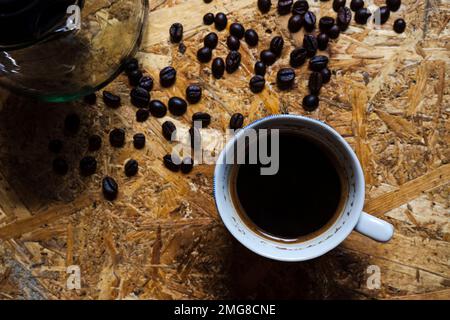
(163, 239)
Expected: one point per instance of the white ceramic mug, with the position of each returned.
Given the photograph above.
(350, 218)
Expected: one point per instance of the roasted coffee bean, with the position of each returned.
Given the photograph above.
(233, 61)
(218, 68)
(131, 168)
(260, 68)
(315, 82)
(337, 4)
(264, 5)
(237, 30)
(298, 57)
(211, 40)
(310, 102)
(72, 124)
(381, 15)
(176, 32)
(146, 83)
(60, 166)
(362, 15)
(187, 165)
(140, 97)
(399, 25)
(88, 166)
(193, 94)
(169, 130)
(334, 32)
(344, 17)
(196, 138)
(142, 115)
(393, 5)
(310, 44)
(182, 48)
(130, 65)
(285, 78)
(318, 63)
(220, 21)
(257, 84)
(111, 100)
(284, 6)
(322, 41)
(172, 162)
(177, 106)
(326, 75)
(167, 77)
(325, 23)
(204, 55)
(157, 109)
(94, 143)
(55, 146)
(355, 5)
(233, 43)
(251, 37)
(268, 57)
(110, 188)
(117, 138)
(300, 7)
(90, 99)
(236, 121)
(139, 141)
(295, 23)
(203, 117)
(309, 21)
(134, 77)
(208, 19)
(276, 45)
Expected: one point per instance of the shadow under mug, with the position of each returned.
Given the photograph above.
(350, 218)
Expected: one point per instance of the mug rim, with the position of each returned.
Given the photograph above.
(288, 255)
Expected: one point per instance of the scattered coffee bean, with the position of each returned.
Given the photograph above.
(381, 15)
(310, 102)
(167, 77)
(260, 68)
(110, 188)
(146, 83)
(310, 44)
(55, 146)
(233, 61)
(169, 130)
(182, 48)
(337, 4)
(237, 30)
(134, 77)
(172, 162)
(300, 7)
(139, 141)
(399, 25)
(264, 5)
(284, 6)
(220, 21)
(204, 55)
(298, 57)
(131, 168)
(203, 117)
(130, 65)
(218, 68)
(322, 41)
(334, 32)
(355, 5)
(251, 37)
(393, 5)
(236, 121)
(211, 40)
(276, 45)
(90, 99)
(317, 63)
(94, 143)
(176, 32)
(142, 115)
(193, 94)
(177, 106)
(72, 124)
(285, 78)
(117, 138)
(362, 15)
(268, 57)
(60, 166)
(88, 166)
(233, 43)
(295, 23)
(309, 21)
(157, 109)
(325, 24)
(326, 75)
(187, 165)
(344, 17)
(140, 97)
(257, 84)
(111, 100)
(208, 19)
(315, 82)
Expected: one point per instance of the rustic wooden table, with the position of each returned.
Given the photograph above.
(162, 239)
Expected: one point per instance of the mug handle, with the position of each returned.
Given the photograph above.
(374, 228)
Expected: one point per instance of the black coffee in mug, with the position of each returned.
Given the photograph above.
(300, 201)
